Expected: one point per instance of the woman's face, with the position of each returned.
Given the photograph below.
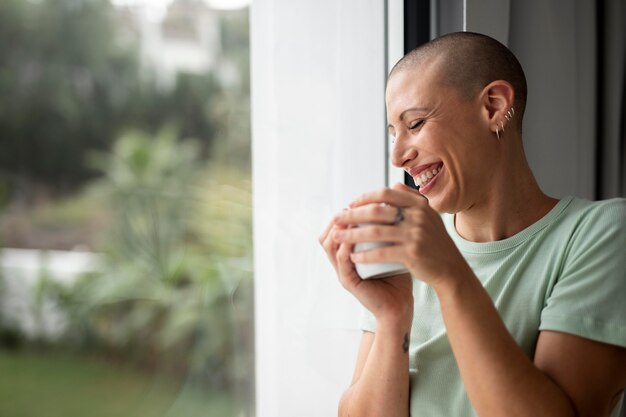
(442, 140)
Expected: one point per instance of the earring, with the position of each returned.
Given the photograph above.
(497, 132)
(502, 124)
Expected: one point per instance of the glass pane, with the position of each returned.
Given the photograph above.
(125, 209)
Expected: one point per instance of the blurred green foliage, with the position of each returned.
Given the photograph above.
(175, 290)
(65, 86)
(157, 181)
(70, 86)
(173, 293)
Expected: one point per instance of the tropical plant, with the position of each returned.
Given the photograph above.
(174, 293)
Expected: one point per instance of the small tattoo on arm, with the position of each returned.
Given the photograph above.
(405, 343)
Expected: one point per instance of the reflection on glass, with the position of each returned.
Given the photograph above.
(125, 209)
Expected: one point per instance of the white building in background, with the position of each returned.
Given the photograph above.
(23, 273)
(186, 38)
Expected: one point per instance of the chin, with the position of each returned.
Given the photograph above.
(441, 205)
(436, 205)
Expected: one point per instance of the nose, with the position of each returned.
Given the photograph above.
(402, 154)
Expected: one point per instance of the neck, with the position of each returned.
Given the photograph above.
(514, 201)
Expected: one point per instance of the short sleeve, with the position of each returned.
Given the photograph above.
(589, 297)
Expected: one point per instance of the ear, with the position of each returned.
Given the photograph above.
(497, 99)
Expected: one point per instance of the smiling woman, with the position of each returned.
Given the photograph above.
(318, 87)
(498, 269)
(427, 105)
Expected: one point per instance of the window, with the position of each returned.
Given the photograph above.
(125, 208)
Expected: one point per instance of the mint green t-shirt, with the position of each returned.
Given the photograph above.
(566, 273)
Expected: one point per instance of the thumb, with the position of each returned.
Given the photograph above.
(405, 188)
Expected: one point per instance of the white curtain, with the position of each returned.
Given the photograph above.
(318, 140)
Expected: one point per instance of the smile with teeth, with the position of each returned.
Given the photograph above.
(425, 177)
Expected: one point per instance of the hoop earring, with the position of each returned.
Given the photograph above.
(497, 133)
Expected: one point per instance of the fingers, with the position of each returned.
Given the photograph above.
(373, 233)
(339, 256)
(329, 244)
(345, 267)
(403, 187)
(371, 213)
(399, 195)
(325, 233)
(394, 253)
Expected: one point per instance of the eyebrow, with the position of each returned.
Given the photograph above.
(389, 126)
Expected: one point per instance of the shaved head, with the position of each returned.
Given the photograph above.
(467, 62)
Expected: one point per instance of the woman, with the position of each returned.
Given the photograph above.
(515, 304)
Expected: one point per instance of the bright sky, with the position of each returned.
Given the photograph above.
(156, 8)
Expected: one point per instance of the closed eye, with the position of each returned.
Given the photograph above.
(416, 124)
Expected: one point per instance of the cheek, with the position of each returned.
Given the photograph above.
(460, 177)
(469, 155)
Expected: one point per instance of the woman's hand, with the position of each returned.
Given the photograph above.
(390, 300)
(420, 240)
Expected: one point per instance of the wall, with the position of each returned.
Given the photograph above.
(558, 55)
(555, 43)
(318, 140)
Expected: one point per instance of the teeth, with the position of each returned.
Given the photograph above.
(423, 179)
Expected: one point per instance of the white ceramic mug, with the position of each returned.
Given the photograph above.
(379, 270)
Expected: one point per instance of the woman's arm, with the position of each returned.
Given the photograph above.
(498, 376)
(380, 385)
(571, 376)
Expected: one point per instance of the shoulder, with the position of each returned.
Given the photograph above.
(606, 211)
(593, 229)
(586, 221)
